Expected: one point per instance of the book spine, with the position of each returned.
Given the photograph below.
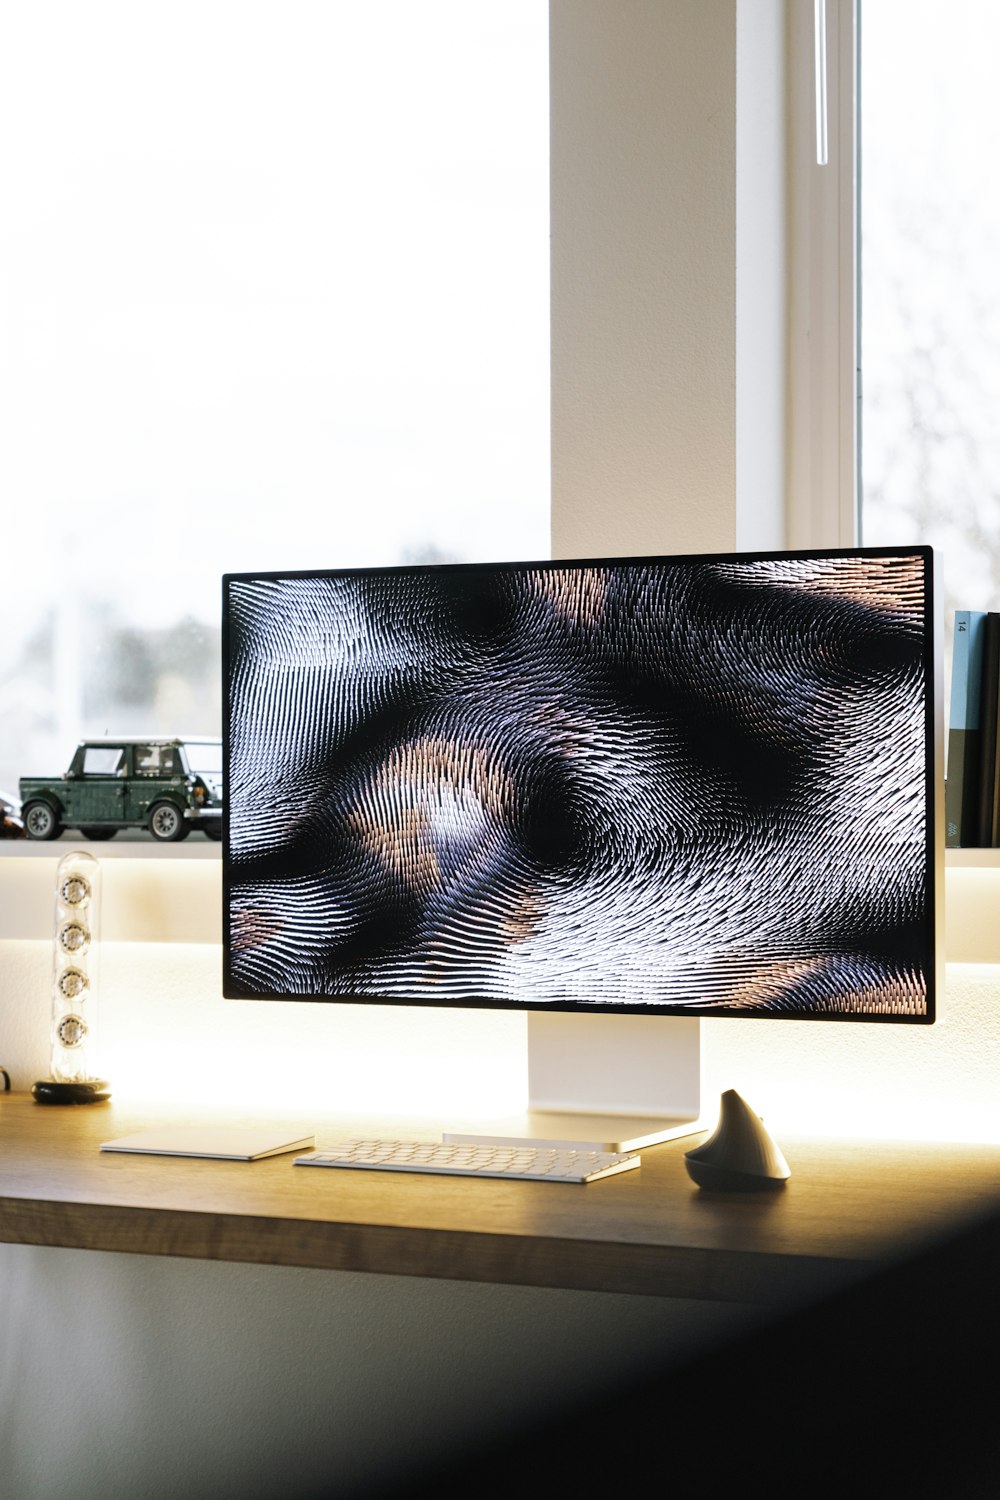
(962, 786)
(989, 703)
(995, 826)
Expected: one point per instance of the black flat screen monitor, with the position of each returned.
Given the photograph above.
(699, 786)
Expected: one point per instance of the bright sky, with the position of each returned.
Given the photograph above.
(273, 291)
(930, 219)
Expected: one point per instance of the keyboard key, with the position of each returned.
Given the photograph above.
(462, 1159)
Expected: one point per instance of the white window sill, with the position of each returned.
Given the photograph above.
(972, 859)
(122, 846)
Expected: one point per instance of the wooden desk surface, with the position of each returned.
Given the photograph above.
(651, 1231)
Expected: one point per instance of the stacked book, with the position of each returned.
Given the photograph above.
(972, 793)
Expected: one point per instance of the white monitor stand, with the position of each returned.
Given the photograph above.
(605, 1082)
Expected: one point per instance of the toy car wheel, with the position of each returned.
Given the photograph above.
(213, 831)
(98, 831)
(41, 821)
(166, 823)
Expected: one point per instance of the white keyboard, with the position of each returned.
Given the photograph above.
(460, 1159)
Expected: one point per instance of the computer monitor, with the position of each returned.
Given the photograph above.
(602, 792)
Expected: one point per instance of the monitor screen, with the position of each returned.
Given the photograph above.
(688, 785)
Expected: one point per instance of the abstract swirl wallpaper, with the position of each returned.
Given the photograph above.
(693, 785)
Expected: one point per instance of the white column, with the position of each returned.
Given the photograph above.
(667, 419)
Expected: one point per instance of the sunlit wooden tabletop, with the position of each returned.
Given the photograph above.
(847, 1208)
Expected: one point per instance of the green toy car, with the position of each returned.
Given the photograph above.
(168, 786)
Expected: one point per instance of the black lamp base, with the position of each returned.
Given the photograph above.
(86, 1091)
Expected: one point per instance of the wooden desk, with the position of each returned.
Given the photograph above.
(650, 1232)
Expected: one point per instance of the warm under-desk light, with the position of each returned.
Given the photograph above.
(167, 1034)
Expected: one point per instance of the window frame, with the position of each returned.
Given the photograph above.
(824, 386)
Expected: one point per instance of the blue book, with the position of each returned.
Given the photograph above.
(962, 790)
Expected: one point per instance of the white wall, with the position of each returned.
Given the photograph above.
(668, 276)
(643, 203)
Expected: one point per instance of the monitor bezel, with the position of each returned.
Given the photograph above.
(933, 787)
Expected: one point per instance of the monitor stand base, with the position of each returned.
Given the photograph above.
(584, 1132)
(604, 1083)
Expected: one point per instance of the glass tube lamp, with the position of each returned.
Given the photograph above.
(75, 966)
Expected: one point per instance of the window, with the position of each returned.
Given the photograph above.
(930, 342)
(276, 294)
(155, 760)
(103, 760)
(823, 302)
